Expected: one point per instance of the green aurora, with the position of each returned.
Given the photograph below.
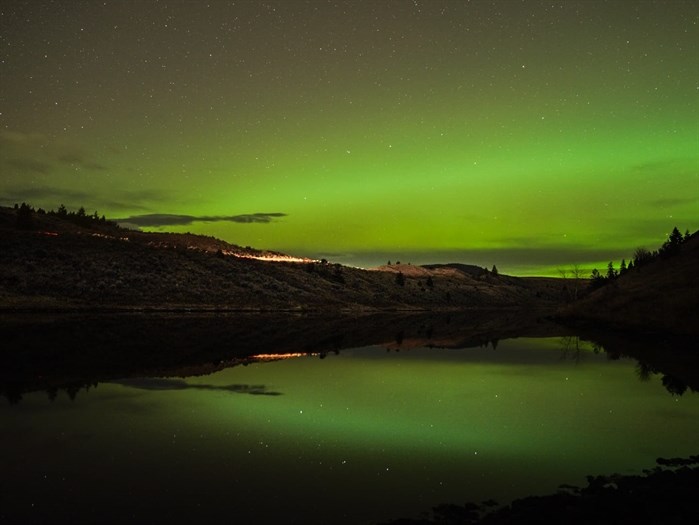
(531, 135)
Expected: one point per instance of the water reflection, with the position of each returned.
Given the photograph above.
(461, 415)
(157, 383)
(72, 354)
(666, 494)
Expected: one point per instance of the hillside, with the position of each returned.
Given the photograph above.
(661, 296)
(53, 263)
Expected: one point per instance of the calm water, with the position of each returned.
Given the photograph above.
(358, 437)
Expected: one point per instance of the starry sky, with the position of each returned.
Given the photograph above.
(528, 134)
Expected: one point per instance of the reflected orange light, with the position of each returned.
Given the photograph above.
(276, 357)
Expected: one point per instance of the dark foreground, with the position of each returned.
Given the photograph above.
(365, 428)
(667, 495)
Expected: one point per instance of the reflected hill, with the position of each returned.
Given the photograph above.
(666, 494)
(74, 351)
(41, 352)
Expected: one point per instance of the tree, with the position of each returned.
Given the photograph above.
(641, 256)
(673, 243)
(24, 219)
(676, 238)
(611, 272)
(494, 271)
(400, 279)
(622, 267)
(337, 274)
(62, 211)
(597, 279)
(577, 274)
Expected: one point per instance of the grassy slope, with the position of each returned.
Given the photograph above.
(661, 296)
(84, 268)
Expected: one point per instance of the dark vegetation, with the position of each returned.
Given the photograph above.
(641, 257)
(666, 494)
(658, 291)
(76, 261)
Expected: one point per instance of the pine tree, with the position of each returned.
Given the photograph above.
(597, 279)
(400, 279)
(673, 243)
(24, 219)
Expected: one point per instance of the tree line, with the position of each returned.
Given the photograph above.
(26, 213)
(641, 257)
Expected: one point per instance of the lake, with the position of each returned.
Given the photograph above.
(360, 435)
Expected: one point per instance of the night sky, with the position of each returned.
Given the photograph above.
(531, 135)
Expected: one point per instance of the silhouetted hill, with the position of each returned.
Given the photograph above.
(661, 295)
(666, 494)
(468, 269)
(56, 263)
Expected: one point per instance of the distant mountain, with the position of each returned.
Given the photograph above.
(78, 262)
(468, 269)
(659, 296)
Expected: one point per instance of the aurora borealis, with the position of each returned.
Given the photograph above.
(525, 134)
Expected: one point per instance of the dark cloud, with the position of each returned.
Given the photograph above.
(667, 166)
(43, 194)
(155, 383)
(162, 219)
(70, 158)
(51, 197)
(672, 202)
(507, 259)
(94, 166)
(28, 165)
(77, 159)
(17, 138)
(25, 153)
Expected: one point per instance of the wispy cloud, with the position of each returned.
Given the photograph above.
(52, 197)
(27, 165)
(163, 219)
(671, 202)
(30, 153)
(179, 384)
